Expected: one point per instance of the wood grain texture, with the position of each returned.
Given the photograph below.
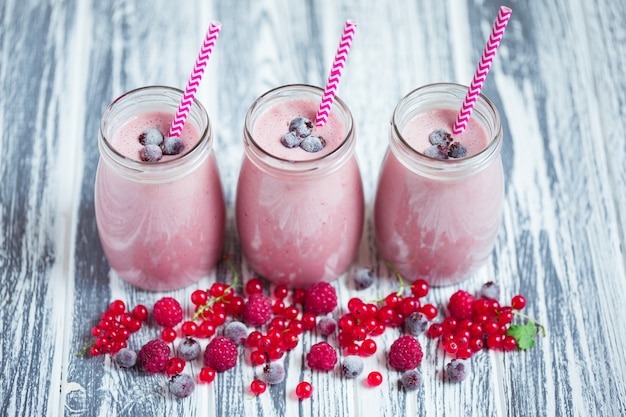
(559, 86)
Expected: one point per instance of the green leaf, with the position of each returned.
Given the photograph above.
(524, 334)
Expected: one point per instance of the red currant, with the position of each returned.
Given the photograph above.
(175, 366)
(304, 390)
(299, 295)
(168, 334)
(257, 358)
(368, 348)
(254, 286)
(509, 343)
(207, 375)
(140, 312)
(429, 310)
(420, 288)
(258, 387)
(199, 297)
(217, 289)
(518, 302)
(117, 307)
(374, 379)
(435, 330)
(281, 291)
(189, 328)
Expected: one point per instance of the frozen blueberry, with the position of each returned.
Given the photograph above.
(126, 358)
(326, 326)
(182, 385)
(189, 349)
(411, 380)
(172, 145)
(301, 126)
(436, 152)
(415, 324)
(456, 150)
(490, 290)
(151, 137)
(440, 137)
(313, 143)
(363, 278)
(290, 140)
(236, 331)
(351, 366)
(151, 153)
(273, 373)
(457, 370)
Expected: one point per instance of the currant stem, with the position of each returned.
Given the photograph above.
(232, 286)
(533, 321)
(398, 276)
(83, 351)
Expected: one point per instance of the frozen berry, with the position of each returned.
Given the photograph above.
(456, 150)
(221, 354)
(457, 370)
(290, 140)
(258, 310)
(411, 379)
(490, 290)
(326, 326)
(182, 385)
(236, 331)
(313, 143)
(172, 145)
(351, 366)
(167, 312)
(440, 137)
(151, 137)
(301, 126)
(153, 356)
(321, 357)
(460, 305)
(405, 353)
(273, 373)
(126, 358)
(320, 299)
(436, 152)
(415, 324)
(189, 349)
(151, 153)
(363, 278)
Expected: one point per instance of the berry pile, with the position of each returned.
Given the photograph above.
(476, 323)
(300, 135)
(443, 146)
(155, 145)
(115, 327)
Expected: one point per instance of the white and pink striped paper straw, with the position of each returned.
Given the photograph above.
(484, 65)
(335, 73)
(194, 79)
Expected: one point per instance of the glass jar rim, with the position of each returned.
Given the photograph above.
(450, 168)
(163, 170)
(274, 163)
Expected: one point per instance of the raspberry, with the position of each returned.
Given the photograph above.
(321, 298)
(460, 305)
(221, 354)
(405, 353)
(167, 312)
(153, 356)
(258, 310)
(321, 357)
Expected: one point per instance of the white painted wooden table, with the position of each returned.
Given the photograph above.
(558, 81)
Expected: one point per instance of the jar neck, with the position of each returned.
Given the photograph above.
(147, 100)
(444, 96)
(278, 166)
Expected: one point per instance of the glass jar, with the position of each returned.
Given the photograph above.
(299, 215)
(438, 219)
(161, 224)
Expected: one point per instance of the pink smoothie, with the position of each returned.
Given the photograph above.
(160, 234)
(299, 229)
(438, 229)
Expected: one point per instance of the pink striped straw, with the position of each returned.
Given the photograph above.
(194, 79)
(335, 73)
(484, 65)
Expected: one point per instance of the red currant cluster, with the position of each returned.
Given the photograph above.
(475, 324)
(364, 320)
(115, 327)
